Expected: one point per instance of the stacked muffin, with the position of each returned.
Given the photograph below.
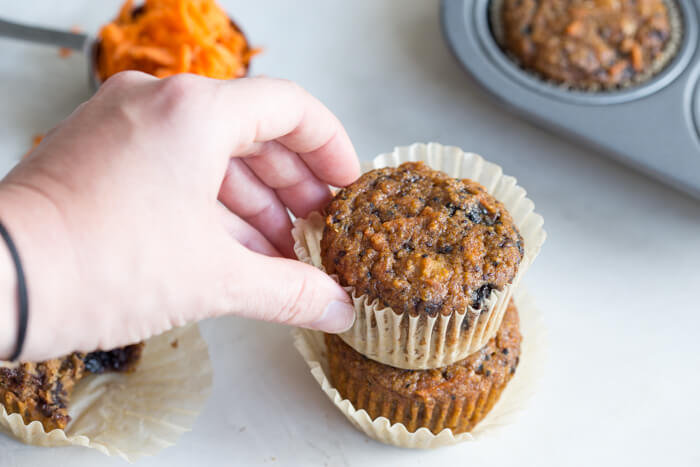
(431, 262)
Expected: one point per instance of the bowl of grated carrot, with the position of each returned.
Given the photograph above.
(167, 37)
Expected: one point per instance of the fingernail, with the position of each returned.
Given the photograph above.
(338, 317)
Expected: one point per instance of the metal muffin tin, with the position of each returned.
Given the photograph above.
(653, 126)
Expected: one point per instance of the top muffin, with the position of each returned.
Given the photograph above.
(419, 241)
(587, 43)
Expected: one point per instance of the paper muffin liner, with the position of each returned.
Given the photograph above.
(132, 414)
(669, 52)
(420, 342)
(460, 412)
(513, 400)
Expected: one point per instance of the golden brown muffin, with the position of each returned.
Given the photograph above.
(457, 396)
(41, 391)
(420, 241)
(588, 43)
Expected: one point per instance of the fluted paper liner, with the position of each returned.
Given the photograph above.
(420, 342)
(133, 414)
(513, 400)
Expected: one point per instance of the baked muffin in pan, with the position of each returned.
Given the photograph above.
(589, 45)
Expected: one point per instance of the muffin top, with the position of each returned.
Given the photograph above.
(419, 241)
(491, 366)
(585, 43)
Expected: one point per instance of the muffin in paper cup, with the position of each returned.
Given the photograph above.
(457, 396)
(134, 414)
(513, 399)
(422, 341)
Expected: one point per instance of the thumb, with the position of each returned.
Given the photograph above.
(287, 291)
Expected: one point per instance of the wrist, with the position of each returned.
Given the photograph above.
(8, 304)
(41, 239)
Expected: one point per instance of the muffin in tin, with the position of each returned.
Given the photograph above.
(457, 396)
(589, 45)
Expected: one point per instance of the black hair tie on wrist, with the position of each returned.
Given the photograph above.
(22, 296)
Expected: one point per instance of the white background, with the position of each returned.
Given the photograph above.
(617, 279)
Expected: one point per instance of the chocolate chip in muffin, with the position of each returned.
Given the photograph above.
(121, 359)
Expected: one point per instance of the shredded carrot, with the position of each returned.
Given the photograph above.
(35, 142)
(65, 52)
(165, 37)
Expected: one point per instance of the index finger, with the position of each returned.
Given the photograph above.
(281, 110)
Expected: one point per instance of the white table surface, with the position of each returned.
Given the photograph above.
(617, 279)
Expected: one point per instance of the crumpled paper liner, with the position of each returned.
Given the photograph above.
(133, 414)
(421, 342)
(512, 402)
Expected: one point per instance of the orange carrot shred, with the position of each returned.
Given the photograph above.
(65, 52)
(165, 37)
(35, 142)
(125, 12)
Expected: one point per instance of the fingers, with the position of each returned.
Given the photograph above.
(281, 110)
(230, 117)
(298, 145)
(245, 234)
(245, 195)
(285, 291)
(283, 170)
(321, 141)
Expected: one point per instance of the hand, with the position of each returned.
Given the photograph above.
(161, 202)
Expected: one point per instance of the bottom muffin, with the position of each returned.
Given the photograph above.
(41, 391)
(457, 396)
